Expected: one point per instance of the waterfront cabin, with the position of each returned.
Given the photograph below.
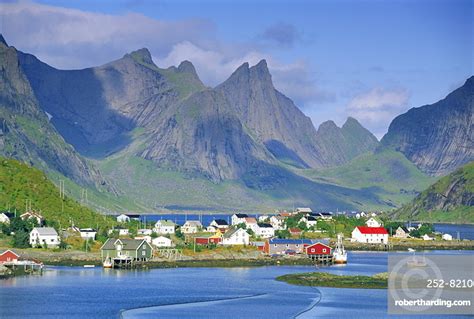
(164, 227)
(401, 232)
(447, 237)
(44, 236)
(8, 256)
(33, 215)
(264, 230)
(131, 249)
(318, 249)
(370, 235)
(191, 227)
(88, 233)
(427, 237)
(162, 241)
(374, 222)
(279, 246)
(238, 219)
(236, 236)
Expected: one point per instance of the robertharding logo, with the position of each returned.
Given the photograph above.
(409, 280)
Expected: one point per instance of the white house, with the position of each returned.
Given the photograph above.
(447, 237)
(304, 210)
(374, 222)
(238, 219)
(236, 236)
(426, 237)
(122, 218)
(4, 218)
(162, 241)
(32, 215)
(251, 223)
(309, 221)
(88, 233)
(263, 219)
(371, 235)
(219, 223)
(401, 232)
(164, 227)
(121, 231)
(144, 232)
(277, 222)
(44, 236)
(191, 227)
(146, 238)
(265, 230)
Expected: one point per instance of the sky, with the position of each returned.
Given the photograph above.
(369, 59)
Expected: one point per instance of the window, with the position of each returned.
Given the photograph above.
(324, 250)
(143, 252)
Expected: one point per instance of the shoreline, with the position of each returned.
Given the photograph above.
(322, 279)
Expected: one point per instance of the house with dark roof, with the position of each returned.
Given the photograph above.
(401, 232)
(133, 249)
(280, 246)
(238, 219)
(235, 236)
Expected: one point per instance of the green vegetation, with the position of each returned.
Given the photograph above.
(389, 174)
(448, 200)
(321, 279)
(21, 184)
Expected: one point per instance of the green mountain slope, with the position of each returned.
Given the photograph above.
(20, 183)
(450, 199)
(387, 174)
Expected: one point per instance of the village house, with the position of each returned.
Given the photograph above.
(295, 231)
(371, 235)
(280, 246)
(251, 223)
(121, 231)
(401, 232)
(209, 239)
(264, 230)
(164, 227)
(236, 236)
(318, 249)
(5, 217)
(133, 249)
(191, 227)
(374, 222)
(33, 215)
(238, 219)
(88, 233)
(8, 256)
(322, 215)
(277, 222)
(219, 224)
(303, 210)
(147, 238)
(309, 221)
(427, 237)
(144, 232)
(263, 219)
(125, 218)
(162, 241)
(447, 237)
(44, 236)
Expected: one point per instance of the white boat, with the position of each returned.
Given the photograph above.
(107, 263)
(340, 254)
(411, 250)
(89, 266)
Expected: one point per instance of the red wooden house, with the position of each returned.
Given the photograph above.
(207, 240)
(318, 249)
(8, 256)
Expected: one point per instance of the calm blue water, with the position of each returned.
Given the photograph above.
(74, 292)
(465, 231)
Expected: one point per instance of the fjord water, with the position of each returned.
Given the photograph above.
(75, 292)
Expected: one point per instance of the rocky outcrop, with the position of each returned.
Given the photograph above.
(451, 192)
(439, 137)
(25, 131)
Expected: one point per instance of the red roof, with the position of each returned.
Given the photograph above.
(295, 230)
(372, 230)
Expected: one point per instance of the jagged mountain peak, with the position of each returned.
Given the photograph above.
(351, 121)
(327, 125)
(142, 55)
(186, 67)
(2, 40)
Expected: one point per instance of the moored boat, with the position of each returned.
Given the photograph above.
(340, 254)
(107, 263)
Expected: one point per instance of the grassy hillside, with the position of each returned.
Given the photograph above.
(388, 174)
(20, 183)
(450, 199)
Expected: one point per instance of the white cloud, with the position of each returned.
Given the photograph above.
(377, 107)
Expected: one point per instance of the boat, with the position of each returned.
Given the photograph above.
(89, 266)
(107, 263)
(340, 254)
(411, 250)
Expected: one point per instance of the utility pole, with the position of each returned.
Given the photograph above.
(61, 194)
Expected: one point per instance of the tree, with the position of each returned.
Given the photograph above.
(179, 233)
(282, 234)
(21, 239)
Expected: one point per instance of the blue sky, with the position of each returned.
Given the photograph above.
(368, 59)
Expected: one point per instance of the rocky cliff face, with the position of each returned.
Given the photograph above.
(25, 131)
(451, 192)
(439, 137)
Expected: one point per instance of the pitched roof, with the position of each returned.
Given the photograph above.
(372, 230)
(128, 244)
(165, 222)
(294, 230)
(278, 241)
(4, 251)
(196, 223)
(220, 222)
(311, 218)
(46, 231)
(231, 232)
(252, 220)
(241, 215)
(265, 225)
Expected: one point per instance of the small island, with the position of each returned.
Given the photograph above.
(321, 279)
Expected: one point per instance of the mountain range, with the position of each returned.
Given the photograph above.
(161, 139)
